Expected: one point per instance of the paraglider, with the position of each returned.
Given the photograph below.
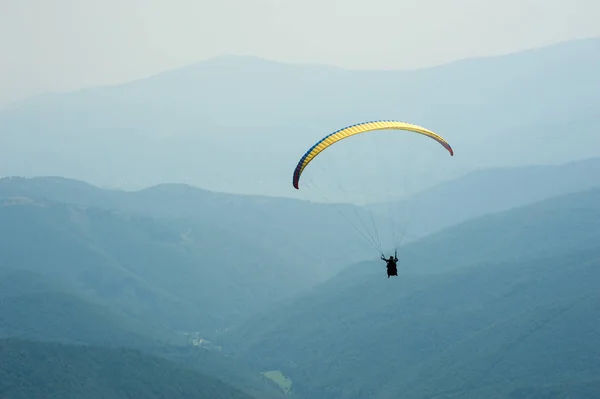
(352, 130)
(392, 267)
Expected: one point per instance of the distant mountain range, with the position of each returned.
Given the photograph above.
(239, 124)
(488, 191)
(477, 303)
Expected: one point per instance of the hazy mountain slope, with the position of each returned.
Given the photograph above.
(29, 311)
(516, 314)
(490, 190)
(318, 232)
(225, 368)
(32, 370)
(33, 307)
(310, 238)
(240, 124)
(567, 223)
(173, 273)
(484, 332)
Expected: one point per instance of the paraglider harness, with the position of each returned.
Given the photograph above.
(392, 269)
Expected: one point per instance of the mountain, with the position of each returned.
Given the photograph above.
(43, 307)
(293, 226)
(239, 124)
(32, 308)
(174, 256)
(308, 242)
(564, 224)
(174, 273)
(488, 191)
(33, 370)
(503, 306)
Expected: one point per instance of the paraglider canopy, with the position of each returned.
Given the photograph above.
(358, 129)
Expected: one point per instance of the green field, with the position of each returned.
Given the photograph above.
(280, 379)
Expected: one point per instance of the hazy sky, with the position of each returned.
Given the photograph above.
(50, 45)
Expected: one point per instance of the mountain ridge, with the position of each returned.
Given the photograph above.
(519, 104)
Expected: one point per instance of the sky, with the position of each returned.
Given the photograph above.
(61, 45)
